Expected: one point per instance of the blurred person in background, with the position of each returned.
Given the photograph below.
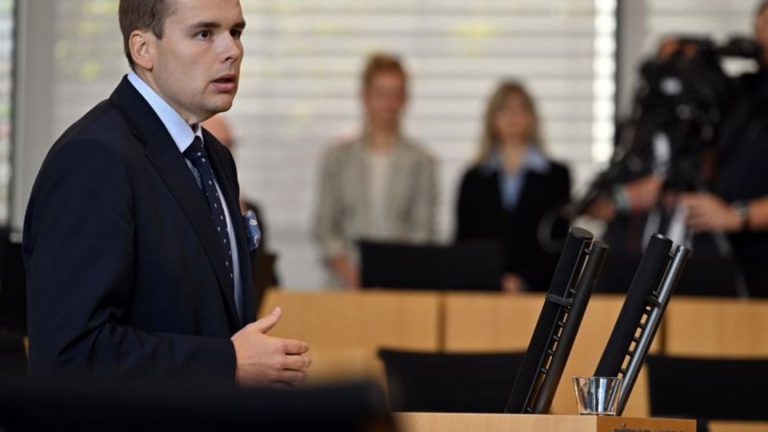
(379, 185)
(735, 201)
(738, 204)
(511, 187)
(264, 260)
(640, 194)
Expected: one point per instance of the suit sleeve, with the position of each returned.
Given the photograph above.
(327, 223)
(79, 253)
(422, 229)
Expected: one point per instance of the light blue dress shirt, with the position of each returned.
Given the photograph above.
(183, 134)
(511, 183)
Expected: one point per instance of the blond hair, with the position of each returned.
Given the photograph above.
(489, 139)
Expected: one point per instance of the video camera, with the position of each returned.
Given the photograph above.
(678, 107)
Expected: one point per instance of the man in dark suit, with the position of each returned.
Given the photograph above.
(135, 250)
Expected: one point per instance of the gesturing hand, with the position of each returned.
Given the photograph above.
(263, 359)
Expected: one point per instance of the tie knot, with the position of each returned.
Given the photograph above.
(195, 150)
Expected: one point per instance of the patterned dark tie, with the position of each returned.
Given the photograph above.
(197, 155)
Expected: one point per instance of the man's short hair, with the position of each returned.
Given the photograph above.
(142, 15)
(381, 63)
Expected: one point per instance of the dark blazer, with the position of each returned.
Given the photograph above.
(482, 216)
(126, 275)
(741, 158)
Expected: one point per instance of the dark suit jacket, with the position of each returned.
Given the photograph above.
(742, 176)
(126, 275)
(482, 216)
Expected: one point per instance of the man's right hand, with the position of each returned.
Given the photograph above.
(263, 359)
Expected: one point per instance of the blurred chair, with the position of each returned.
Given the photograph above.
(437, 382)
(708, 389)
(467, 266)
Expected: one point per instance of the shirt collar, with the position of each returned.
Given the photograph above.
(180, 131)
(534, 160)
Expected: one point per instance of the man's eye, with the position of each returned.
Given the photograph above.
(203, 34)
(236, 33)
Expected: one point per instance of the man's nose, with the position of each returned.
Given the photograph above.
(232, 49)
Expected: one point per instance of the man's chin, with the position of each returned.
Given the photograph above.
(219, 106)
(392, 124)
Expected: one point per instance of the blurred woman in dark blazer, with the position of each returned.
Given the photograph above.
(511, 187)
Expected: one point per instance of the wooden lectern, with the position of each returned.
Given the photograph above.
(454, 422)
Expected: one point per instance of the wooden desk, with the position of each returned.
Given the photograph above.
(488, 322)
(346, 329)
(737, 426)
(444, 422)
(715, 327)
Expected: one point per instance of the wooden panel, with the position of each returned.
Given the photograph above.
(429, 422)
(705, 327)
(443, 422)
(482, 322)
(738, 426)
(345, 329)
(617, 424)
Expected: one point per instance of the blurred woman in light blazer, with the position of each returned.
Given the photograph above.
(379, 185)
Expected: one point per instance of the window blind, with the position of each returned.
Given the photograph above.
(300, 88)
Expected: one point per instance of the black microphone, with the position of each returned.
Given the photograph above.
(646, 280)
(556, 327)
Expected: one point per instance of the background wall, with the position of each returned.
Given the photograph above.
(6, 98)
(300, 83)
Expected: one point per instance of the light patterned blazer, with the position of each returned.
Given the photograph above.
(342, 213)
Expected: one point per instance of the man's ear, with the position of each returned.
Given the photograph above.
(142, 48)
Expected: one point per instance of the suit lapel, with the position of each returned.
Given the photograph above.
(170, 164)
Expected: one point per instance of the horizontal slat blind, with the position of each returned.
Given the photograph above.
(300, 86)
